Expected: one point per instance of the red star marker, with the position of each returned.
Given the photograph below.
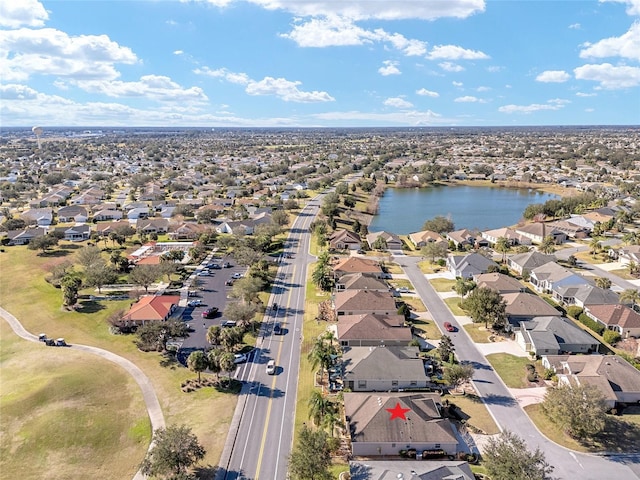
(397, 411)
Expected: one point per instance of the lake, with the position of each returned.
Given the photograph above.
(404, 210)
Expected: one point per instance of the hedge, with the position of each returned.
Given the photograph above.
(591, 324)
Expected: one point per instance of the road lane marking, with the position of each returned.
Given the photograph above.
(273, 384)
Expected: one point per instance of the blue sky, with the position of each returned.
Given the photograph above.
(336, 63)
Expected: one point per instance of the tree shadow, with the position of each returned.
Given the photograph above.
(54, 253)
(169, 360)
(500, 400)
(216, 472)
(89, 306)
(618, 436)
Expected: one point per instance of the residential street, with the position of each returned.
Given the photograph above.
(505, 410)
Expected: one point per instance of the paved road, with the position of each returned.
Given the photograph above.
(505, 410)
(148, 393)
(261, 433)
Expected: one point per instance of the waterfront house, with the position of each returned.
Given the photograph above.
(391, 240)
(420, 239)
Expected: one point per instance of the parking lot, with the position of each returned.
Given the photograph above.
(211, 290)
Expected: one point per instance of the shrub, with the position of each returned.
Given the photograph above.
(611, 337)
(591, 324)
(574, 311)
(549, 373)
(530, 367)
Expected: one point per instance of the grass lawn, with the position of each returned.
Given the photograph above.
(429, 328)
(38, 306)
(393, 268)
(474, 411)
(442, 284)
(623, 273)
(511, 369)
(477, 332)
(401, 282)
(414, 302)
(427, 267)
(454, 305)
(67, 414)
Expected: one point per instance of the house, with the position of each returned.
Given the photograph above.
(525, 306)
(106, 228)
(77, 233)
(138, 213)
(391, 240)
(545, 277)
(356, 302)
(528, 261)
(616, 378)
(152, 308)
(107, 214)
(570, 229)
(186, 231)
(584, 295)
(385, 423)
(420, 239)
(462, 238)
(410, 470)
(513, 238)
(152, 225)
(383, 369)
(552, 335)
(619, 318)
(373, 330)
(357, 265)
(629, 254)
(343, 239)
(361, 281)
(41, 217)
(538, 231)
(72, 213)
(23, 237)
(499, 282)
(468, 266)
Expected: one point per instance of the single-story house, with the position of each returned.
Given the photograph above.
(24, 236)
(41, 217)
(570, 229)
(584, 295)
(356, 302)
(152, 225)
(391, 240)
(619, 318)
(499, 282)
(72, 213)
(107, 214)
(553, 335)
(385, 423)
(512, 237)
(77, 233)
(410, 470)
(343, 239)
(629, 254)
(462, 238)
(525, 306)
(538, 231)
(616, 378)
(369, 329)
(357, 265)
(361, 281)
(152, 308)
(528, 261)
(468, 266)
(545, 277)
(420, 239)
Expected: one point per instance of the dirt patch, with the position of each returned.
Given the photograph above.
(629, 345)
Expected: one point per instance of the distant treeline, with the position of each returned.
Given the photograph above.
(562, 207)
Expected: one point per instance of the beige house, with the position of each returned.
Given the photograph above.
(619, 318)
(358, 302)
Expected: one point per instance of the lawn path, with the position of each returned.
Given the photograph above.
(148, 393)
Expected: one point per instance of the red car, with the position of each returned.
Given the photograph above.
(210, 312)
(448, 327)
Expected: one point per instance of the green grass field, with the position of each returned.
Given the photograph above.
(38, 306)
(510, 368)
(442, 284)
(67, 414)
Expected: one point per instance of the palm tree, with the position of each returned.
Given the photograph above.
(197, 362)
(603, 282)
(595, 246)
(214, 336)
(322, 353)
(547, 246)
(319, 406)
(502, 246)
(226, 363)
(213, 358)
(331, 421)
(630, 295)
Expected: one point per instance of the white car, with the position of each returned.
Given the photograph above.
(194, 303)
(237, 275)
(271, 367)
(240, 358)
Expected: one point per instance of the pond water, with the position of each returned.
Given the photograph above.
(404, 210)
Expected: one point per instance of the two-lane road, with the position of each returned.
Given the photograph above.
(261, 434)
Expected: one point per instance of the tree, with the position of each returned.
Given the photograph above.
(603, 282)
(88, 256)
(463, 286)
(630, 295)
(280, 218)
(456, 374)
(319, 406)
(226, 363)
(230, 338)
(548, 245)
(578, 409)
(214, 334)
(507, 457)
(246, 289)
(43, 242)
(175, 449)
(445, 348)
(502, 246)
(71, 283)
(242, 313)
(379, 244)
(439, 224)
(311, 456)
(99, 274)
(144, 275)
(434, 250)
(594, 246)
(197, 362)
(213, 358)
(322, 352)
(485, 305)
(321, 274)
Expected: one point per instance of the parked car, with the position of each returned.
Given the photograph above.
(192, 293)
(214, 266)
(237, 275)
(403, 290)
(240, 358)
(229, 282)
(61, 343)
(277, 329)
(271, 367)
(204, 273)
(448, 327)
(195, 303)
(50, 342)
(227, 265)
(42, 337)
(228, 323)
(210, 312)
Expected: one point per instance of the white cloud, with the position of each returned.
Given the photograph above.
(231, 77)
(633, 6)
(397, 102)
(553, 76)
(589, 110)
(389, 68)
(427, 93)
(582, 94)
(22, 13)
(376, 9)
(456, 84)
(483, 89)
(154, 87)
(534, 107)
(334, 31)
(286, 90)
(468, 99)
(178, 52)
(575, 26)
(451, 67)
(610, 77)
(625, 46)
(454, 52)
(48, 51)
(495, 69)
